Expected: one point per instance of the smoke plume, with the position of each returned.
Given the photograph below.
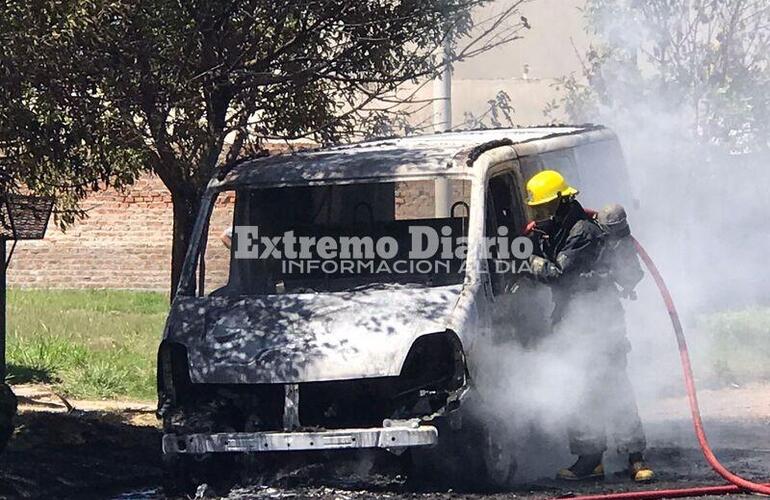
(686, 86)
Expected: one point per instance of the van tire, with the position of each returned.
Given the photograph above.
(471, 458)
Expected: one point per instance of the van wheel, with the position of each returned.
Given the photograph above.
(474, 457)
(497, 455)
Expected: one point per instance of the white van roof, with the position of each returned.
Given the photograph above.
(443, 154)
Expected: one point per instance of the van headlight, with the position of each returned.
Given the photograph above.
(435, 362)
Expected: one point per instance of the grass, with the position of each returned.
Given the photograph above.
(90, 344)
(102, 344)
(738, 344)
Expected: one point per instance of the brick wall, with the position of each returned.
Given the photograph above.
(124, 243)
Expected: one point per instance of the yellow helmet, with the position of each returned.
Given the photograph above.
(547, 186)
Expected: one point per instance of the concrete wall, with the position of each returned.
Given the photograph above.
(547, 48)
(551, 49)
(528, 98)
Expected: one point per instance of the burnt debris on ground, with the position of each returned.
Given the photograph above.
(99, 454)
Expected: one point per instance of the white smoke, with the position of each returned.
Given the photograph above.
(701, 187)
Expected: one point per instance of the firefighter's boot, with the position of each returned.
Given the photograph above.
(639, 470)
(586, 467)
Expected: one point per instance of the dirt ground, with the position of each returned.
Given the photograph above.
(87, 449)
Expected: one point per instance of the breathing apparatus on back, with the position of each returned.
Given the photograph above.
(619, 256)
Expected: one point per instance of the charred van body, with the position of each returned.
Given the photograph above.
(262, 359)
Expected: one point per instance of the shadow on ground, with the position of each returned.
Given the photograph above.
(100, 455)
(20, 374)
(78, 455)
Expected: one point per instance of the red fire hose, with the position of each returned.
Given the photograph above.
(739, 485)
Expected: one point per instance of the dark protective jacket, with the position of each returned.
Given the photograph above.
(570, 256)
(584, 264)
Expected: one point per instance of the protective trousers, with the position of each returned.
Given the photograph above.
(606, 401)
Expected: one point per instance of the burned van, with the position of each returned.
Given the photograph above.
(334, 299)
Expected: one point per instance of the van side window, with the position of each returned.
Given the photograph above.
(530, 166)
(504, 209)
(501, 198)
(507, 207)
(563, 161)
(214, 270)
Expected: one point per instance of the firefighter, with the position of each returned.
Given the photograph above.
(572, 257)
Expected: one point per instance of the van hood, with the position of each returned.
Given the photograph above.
(307, 337)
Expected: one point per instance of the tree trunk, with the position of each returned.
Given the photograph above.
(186, 207)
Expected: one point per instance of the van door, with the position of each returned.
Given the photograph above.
(520, 307)
(505, 218)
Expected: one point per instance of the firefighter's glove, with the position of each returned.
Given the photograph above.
(538, 265)
(543, 269)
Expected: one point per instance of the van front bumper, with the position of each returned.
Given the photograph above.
(385, 437)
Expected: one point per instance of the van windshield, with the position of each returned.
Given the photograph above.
(335, 238)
